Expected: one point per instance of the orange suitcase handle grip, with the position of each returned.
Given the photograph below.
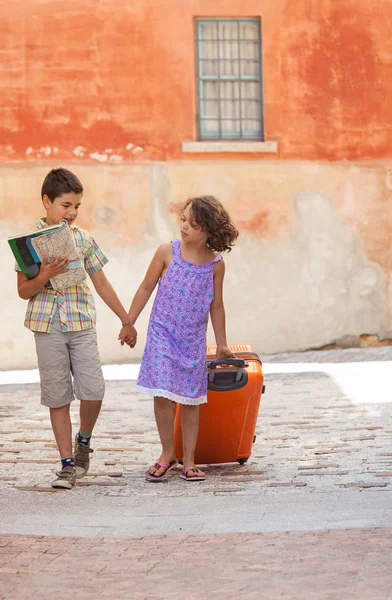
(222, 380)
(234, 362)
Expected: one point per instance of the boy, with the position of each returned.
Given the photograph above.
(64, 329)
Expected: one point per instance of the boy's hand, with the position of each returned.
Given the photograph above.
(128, 335)
(224, 352)
(50, 267)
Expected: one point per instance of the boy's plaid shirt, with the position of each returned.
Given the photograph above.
(75, 304)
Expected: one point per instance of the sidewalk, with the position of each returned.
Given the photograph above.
(329, 565)
(321, 469)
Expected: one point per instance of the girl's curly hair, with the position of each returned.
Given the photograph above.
(211, 216)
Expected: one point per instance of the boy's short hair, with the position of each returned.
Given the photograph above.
(58, 182)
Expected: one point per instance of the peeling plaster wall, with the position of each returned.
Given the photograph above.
(307, 270)
(108, 89)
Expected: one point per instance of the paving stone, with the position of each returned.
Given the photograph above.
(364, 485)
(248, 478)
(324, 446)
(368, 428)
(283, 437)
(105, 474)
(284, 423)
(4, 432)
(318, 466)
(102, 483)
(29, 440)
(287, 484)
(122, 462)
(300, 458)
(322, 473)
(241, 473)
(313, 417)
(337, 451)
(359, 439)
(36, 488)
(35, 428)
(118, 449)
(218, 491)
(29, 461)
(310, 426)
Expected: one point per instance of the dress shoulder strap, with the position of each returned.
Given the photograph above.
(217, 259)
(176, 249)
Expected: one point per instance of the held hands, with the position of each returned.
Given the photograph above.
(128, 335)
(224, 352)
(50, 267)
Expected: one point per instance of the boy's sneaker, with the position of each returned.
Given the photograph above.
(82, 458)
(66, 478)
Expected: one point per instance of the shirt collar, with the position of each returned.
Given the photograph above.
(41, 223)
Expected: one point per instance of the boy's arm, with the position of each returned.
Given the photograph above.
(217, 312)
(27, 288)
(105, 290)
(160, 260)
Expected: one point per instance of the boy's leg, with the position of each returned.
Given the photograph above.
(57, 394)
(190, 431)
(89, 388)
(62, 429)
(164, 417)
(89, 412)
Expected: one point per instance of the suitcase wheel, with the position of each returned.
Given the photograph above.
(242, 461)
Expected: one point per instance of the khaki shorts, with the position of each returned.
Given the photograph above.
(61, 354)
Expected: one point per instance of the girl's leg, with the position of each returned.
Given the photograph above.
(190, 431)
(164, 417)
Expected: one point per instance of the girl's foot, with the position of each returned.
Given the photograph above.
(159, 469)
(193, 474)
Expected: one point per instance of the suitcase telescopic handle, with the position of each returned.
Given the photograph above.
(230, 362)
(221, 380)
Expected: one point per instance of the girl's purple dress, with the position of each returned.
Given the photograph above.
(174, 362)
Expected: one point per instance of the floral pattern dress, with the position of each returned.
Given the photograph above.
(174, 362)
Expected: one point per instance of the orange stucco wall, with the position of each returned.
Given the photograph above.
(108, 89)
(79, 78)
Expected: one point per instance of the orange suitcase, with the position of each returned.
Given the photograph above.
(228, 420)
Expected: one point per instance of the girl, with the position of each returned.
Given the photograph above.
(190, 273)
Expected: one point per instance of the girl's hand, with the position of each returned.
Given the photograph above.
(128, 335)
(224, 352)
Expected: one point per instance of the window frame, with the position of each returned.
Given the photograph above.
(199, 82)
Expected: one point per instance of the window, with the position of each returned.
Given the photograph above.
(229, 79)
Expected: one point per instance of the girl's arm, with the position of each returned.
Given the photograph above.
(146, 288)
(217, 312)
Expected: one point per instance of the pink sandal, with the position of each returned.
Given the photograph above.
(184, 474)
(158, 465)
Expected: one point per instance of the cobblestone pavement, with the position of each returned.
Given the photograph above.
(328, 565)
(321, 468)
(309, 433)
